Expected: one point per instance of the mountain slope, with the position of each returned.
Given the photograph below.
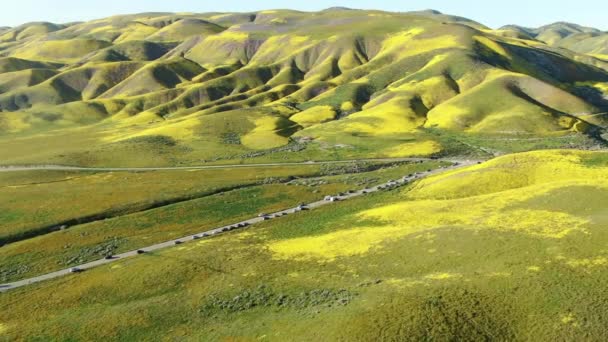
(349, 78)
(574, 37)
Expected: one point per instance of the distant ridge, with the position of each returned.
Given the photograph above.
(241, 83)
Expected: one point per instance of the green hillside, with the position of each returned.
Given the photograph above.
(586, 40)
(444, 181)
(336, 78)
(510, 250)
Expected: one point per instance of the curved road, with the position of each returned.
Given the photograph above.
(14, 168)
(310, 206)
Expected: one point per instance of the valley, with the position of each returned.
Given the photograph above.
(337, 175)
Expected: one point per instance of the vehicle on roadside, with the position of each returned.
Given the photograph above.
(108, 257)
(141, 251)
(196, 237)
(76, 270)
(178, 242)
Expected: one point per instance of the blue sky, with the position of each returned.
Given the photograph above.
(491, 13)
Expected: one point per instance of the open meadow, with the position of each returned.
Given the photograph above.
(450, 257)
(445, 180)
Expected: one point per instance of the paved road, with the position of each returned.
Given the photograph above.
(14, 168)
(310, 206)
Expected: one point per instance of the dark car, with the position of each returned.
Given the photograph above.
(109, 257)
(141, 252)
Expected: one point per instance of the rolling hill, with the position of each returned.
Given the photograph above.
(586, 40)
(339, 79)
(478, 157)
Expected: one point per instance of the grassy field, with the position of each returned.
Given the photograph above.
(523, 260)
(132, 225)
(512, 249)
(34, 200)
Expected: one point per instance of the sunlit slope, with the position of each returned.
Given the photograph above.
(574, 37)
(513, 249)
(343, 75)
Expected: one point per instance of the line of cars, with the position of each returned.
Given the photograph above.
(391, 184)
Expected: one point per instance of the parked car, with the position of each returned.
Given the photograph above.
(141, 251)
(75, 270)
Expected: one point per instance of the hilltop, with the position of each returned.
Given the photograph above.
(230, 85)
(586, 40)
